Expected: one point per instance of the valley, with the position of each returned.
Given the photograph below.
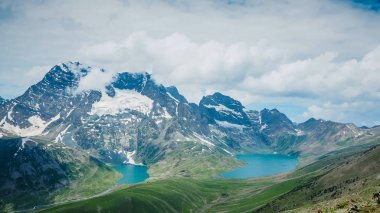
(62, 144)
(319, 186)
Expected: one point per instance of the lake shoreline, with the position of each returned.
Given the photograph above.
(262, 165)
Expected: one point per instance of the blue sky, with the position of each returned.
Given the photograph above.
(306, 58)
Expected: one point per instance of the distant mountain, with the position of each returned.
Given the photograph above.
(344, 180)
(135, 120)
(62, 128)
(221, 108)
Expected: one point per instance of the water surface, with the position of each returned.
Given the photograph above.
(258, 165)
(131, 173)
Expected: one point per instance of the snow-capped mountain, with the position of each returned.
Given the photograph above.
(133, 119)
(130, 113)
(57, 131)
(221, 108)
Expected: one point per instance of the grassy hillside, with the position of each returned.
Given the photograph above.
(185, 195)
(343, 179)
(191, 159)
(39, 172)
(346, 175)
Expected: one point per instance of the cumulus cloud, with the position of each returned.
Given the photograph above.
(177, 59)
(36, 73)
(365, 113)
(299, 53)
(323, 77)
(96, 79)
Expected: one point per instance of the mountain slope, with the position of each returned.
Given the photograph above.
(35, 171)
(132, 119)
(348, 176)
(349, 173)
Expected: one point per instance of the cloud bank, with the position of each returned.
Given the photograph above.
(307, 58)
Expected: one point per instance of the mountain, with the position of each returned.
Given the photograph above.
(229, 123)
(69, 128)
(336, 182)
(35, 171)
(133, 119)
(329, 135)
(344, 179)
(221, 108)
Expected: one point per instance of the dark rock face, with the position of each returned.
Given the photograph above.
(172, 90)
(223, 108)
(276, 122)
(132, 119)
(32, 172)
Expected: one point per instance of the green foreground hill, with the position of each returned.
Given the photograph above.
(337, 181)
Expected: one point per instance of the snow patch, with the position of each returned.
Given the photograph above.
(204, 141)
(23, 142)
(69, 113)
(263, 127)
(164, 115)
(260, 120)
(170, 95)
(230, 125)
(227, 151)
(37, 126)
(354, 130)
(299, 132)
(123, 101)
(59, 137)
(131, 160)
(9, 114)
(223, 109)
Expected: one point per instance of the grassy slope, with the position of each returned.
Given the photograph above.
(76, 165)
(191, 159)
(345, 176)
(284, 192)
(180, 195)
(187, 195)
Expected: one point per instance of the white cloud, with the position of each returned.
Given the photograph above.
(35, 74)
(323, 78)
(335, 89)
(359, 111)
(96, 79)
(214, 66)
(315, 52)
(177, 60)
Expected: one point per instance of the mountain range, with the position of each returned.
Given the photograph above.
(68, 132)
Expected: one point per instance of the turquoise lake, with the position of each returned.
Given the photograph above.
(258, 165)
(131, 173)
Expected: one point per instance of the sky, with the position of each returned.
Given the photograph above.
(306, 58)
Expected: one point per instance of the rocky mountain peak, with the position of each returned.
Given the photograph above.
(219, 107)
(131, 81)
(131, 113)
(273, 120)
(173, 91)
(220, 99)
